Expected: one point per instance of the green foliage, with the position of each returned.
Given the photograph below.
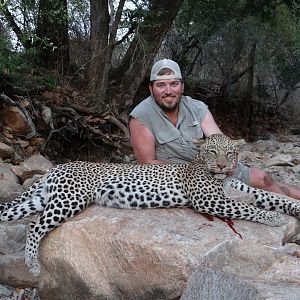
(14, 65)
(18, 68)
(48, 80)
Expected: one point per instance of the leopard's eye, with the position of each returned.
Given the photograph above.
(212, 152)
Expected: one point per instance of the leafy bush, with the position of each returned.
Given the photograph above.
(15, 66)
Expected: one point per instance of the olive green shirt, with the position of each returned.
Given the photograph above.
(173, 144)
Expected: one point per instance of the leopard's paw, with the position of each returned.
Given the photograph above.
(33, 265)
(271, 218)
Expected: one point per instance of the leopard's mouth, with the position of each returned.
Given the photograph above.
(220, 176)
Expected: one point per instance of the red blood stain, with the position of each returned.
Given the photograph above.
(226, 220)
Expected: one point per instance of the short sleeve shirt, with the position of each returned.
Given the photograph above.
(173, 144)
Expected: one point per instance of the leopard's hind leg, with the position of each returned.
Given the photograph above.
(55, 213)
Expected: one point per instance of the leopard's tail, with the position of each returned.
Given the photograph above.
(28, 203)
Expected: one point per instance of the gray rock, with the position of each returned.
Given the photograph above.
(30, 181)
(5, 291)
(281, 160)
(7, 174)
(36, 164)
(14, 272)
(12, 236)
(210, 284)
(9, 190)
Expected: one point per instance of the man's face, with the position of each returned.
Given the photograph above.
(167, 93)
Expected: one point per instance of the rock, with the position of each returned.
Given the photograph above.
(9, 190)
(148, 254)
(37, 141)
(286, 148)
(275, 273)
(22, 143)
(280, 160)
(249, 156)
(296, 158)
(5, 291)
(14, 118)
(30, 181)
(12, 236)
(14, 272)
(296, 169)
(6, 151)
(36, 164)
(7, 174)
(211, 284)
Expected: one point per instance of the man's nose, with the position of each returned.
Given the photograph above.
(168, 89)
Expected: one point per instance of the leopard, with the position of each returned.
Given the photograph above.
(69, 188)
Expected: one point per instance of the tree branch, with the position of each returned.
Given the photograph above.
(14, 26)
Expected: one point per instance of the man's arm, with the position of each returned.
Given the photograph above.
(143, 143)
(209, 126)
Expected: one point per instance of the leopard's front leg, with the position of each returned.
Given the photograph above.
(268, 200)
(55, 213)
(217, 204)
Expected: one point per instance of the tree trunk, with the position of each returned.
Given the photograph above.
(117, 87)
(100, 20)
(52, 31)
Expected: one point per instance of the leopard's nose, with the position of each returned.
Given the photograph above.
(221, 166)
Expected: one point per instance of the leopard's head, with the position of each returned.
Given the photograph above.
(219, 154)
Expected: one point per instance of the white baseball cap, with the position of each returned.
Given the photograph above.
(165, 63)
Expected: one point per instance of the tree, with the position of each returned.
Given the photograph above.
(43, 27)
(117, 86)
(52, 34)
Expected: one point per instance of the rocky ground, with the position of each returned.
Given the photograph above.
(280, 157)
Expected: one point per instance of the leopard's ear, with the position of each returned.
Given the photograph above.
(239, 142)
(198, 142)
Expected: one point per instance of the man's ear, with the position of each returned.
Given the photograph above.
(150, 89)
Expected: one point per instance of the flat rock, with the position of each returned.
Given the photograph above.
(150, 254)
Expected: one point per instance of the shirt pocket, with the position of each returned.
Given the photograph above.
(192, 130)
(164, 137)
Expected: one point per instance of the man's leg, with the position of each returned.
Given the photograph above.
(262, 180)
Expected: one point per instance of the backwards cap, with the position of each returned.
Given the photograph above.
(165, 63)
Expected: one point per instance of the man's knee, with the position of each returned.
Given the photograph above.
(260, 179)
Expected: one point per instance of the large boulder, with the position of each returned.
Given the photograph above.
(106, 253)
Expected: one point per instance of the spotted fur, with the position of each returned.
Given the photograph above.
(68, 188)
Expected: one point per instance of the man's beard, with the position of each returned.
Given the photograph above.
(165, 108)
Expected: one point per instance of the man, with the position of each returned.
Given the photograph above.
(163, 125)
